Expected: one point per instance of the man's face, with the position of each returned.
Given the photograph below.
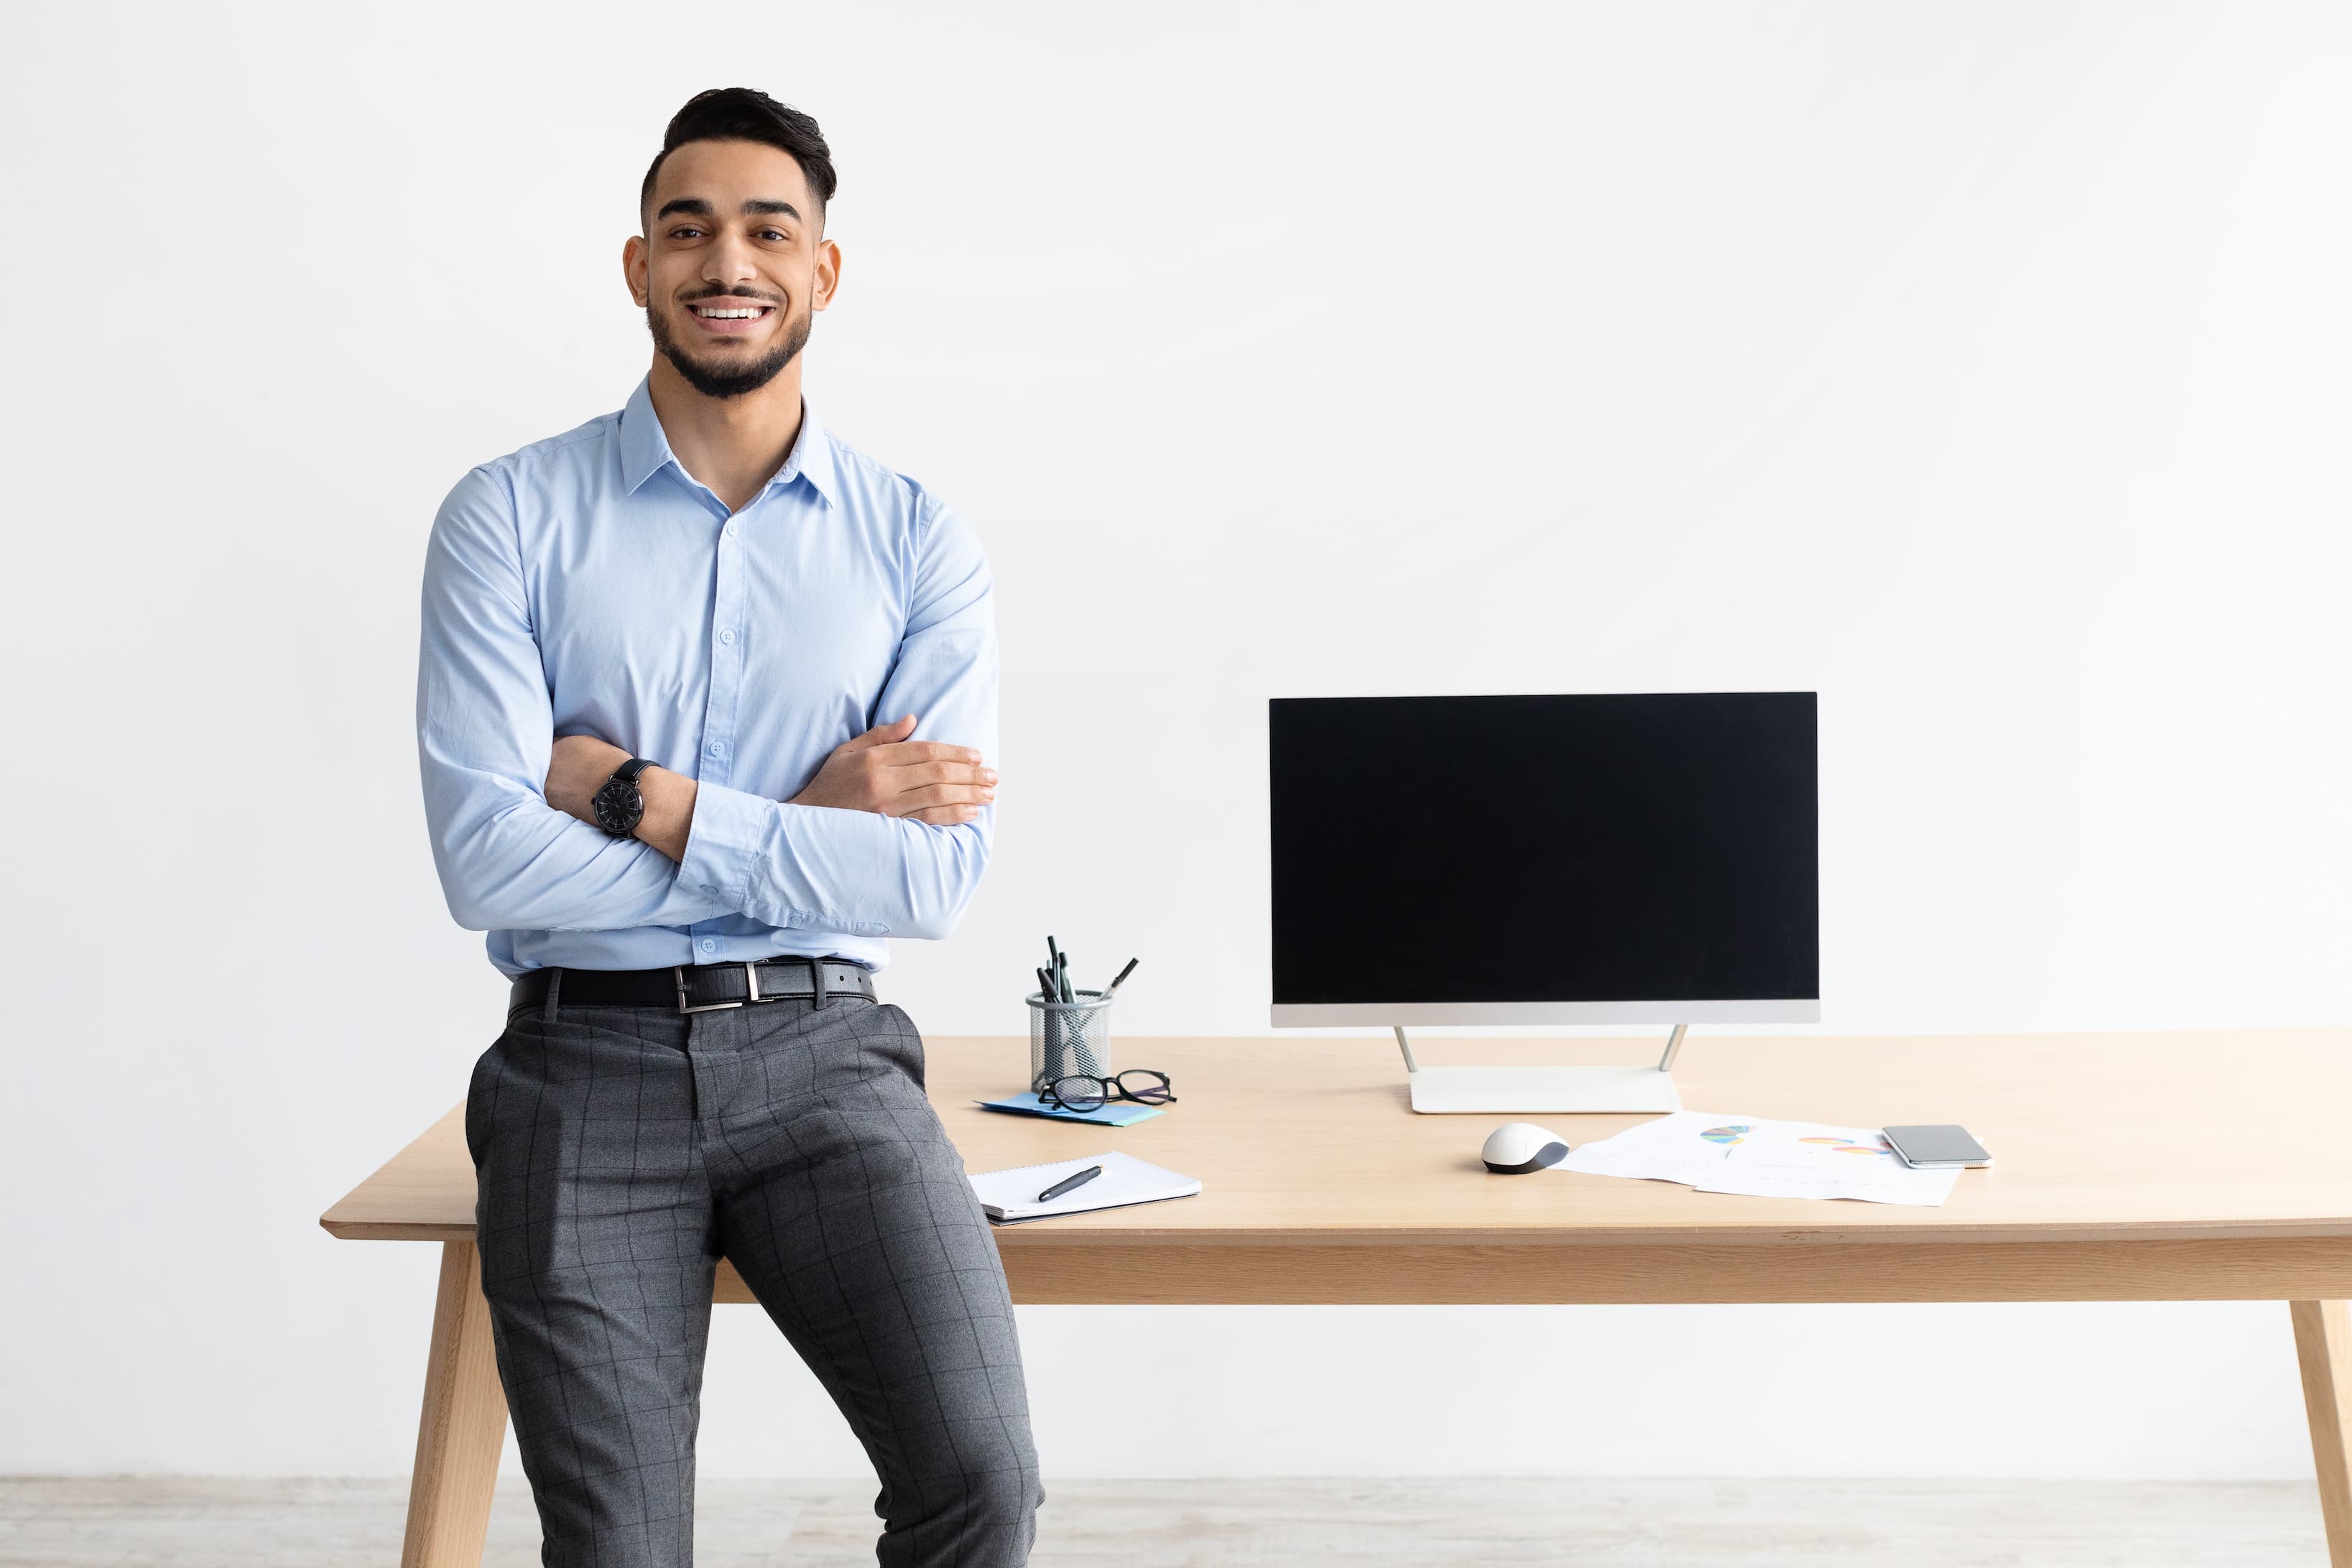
(731, 263)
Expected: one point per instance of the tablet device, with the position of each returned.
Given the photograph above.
(1939, 1146)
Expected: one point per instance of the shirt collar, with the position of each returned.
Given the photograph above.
(645, 449)
(812, 459)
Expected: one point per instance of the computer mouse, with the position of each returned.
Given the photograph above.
(1515, 1149)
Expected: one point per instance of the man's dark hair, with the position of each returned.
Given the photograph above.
(747, 114)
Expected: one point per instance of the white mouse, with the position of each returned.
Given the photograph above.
(1515, 1149)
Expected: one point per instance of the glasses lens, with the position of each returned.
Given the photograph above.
(1079, 1093)
(1144, 1084)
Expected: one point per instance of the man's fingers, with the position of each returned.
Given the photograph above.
(897, 730)
(923, 773)
(909, 753)
(908, 802)
(886, 770)
(944, 816)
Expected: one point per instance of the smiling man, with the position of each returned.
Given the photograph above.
(704, 709)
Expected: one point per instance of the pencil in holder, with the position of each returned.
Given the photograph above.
(1067, 1038)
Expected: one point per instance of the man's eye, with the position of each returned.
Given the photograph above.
(685, 233)
(774, 233)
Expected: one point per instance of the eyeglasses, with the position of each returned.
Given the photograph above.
(1084, 1091)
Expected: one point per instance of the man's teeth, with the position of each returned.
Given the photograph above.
(731, 313)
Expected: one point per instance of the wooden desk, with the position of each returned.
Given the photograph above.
(2131, 1167)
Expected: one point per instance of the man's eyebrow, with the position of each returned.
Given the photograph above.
(695, 206)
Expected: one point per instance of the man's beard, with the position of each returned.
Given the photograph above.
(730, 380)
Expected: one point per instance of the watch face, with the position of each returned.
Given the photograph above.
(619, 808)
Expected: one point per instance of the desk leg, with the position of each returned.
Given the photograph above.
(2323, 1344)
(464, 1424)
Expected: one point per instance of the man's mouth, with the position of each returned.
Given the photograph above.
(728, 316)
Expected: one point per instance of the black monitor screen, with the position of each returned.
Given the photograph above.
(1545, 849)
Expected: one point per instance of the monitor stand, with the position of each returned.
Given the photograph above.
(1448, 1091)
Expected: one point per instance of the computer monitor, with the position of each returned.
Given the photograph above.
(1544, 860)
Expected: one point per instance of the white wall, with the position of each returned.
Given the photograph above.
(1982, 367)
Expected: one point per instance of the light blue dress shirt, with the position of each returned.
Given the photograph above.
(587, 584)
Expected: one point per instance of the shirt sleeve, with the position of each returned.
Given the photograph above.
(860, 872)
(485, 728)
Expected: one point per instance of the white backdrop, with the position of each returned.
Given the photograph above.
(1981, 367)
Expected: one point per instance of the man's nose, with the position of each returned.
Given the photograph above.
(730, 262)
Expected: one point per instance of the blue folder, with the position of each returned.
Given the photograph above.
(1116, 1114)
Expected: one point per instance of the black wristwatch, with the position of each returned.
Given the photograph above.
(618, 805)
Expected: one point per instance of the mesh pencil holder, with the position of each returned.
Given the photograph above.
(1069, 1037)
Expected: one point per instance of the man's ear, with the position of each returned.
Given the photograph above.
(634, 265)
(828, 274)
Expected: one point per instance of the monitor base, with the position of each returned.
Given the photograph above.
(1462, 1091)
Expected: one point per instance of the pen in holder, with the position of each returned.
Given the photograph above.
(1069, 1037)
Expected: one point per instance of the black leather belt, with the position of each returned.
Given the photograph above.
(697, 988)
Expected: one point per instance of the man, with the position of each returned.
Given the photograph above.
(656, 652)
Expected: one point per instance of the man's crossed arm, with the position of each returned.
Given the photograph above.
(880, 771)
(889, 838)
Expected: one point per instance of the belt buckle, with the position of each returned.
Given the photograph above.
(751, 984)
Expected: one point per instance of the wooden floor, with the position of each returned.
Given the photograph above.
(131, 1523)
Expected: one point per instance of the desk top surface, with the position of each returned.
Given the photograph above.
(2153, 1135)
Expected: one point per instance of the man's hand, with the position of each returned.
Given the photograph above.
(884, 772)
(580, 764)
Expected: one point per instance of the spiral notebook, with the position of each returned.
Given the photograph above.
(1011, 1197)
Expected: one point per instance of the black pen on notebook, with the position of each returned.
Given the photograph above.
(1069, 1184)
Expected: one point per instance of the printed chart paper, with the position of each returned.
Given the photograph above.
(1762, 1158)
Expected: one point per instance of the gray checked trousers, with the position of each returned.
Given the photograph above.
(623, 1151)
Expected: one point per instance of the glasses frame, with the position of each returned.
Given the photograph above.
(1051, 1097)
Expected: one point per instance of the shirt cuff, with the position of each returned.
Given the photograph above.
(723, 842)
(773, 862)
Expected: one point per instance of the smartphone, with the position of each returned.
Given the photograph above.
(1938, 1147)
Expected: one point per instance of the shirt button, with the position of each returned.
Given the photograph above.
(709, 946)
(728, 635)
(716, 748)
